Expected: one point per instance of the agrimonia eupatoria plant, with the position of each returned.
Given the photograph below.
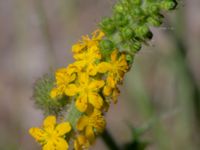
(79, 94)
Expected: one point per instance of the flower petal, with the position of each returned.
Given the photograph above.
(114, 56)
(104, 67)
(81, 103)
(71, 90)
(54, 93)
(115, 95)
(90, 133)
(81, 142)
(107, 90)
(96, 84)
(60, 144)
(49, 146)
(83, 79)
(49, 123)
(37, 133)
(96, 100)
(82, 123)
(63, 128)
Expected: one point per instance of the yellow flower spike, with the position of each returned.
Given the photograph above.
(51, 137)
(91, 124)
(87, 90)
(81, 143)
(63, 76)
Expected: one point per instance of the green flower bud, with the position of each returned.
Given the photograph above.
(125, 3)
(155, 20)
(135, 2)
(118, 8)
(136, 12)
(107, 25)
(117, 38)
(106, 47)
(120, 19)
(168, 4)
(129, 58)
(143, 32)
(152, 9)
(136, 46)
(127, 33)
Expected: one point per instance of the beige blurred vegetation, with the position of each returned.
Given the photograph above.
(36, 37)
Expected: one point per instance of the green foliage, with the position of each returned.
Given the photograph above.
(42, 98)
(128, 27)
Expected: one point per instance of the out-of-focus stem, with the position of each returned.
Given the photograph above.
(43, 22)
(109, 141)
(196, 93)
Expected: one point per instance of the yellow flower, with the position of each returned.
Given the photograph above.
(87, 91)
(63, 77)
(87, 42)
(87, 53)
(92, 123)
(81, 143)
(86, 61)
(116, 68)
(52, 135)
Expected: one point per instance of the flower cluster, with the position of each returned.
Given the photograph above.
(92, 82)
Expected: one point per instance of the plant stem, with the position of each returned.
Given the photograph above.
(109, 141)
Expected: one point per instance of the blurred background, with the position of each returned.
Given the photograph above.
(161, 92)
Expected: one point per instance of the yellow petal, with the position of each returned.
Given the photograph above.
(95, 100)
(111, 81)
(49, 123)
(115, 94)
(79, 56)
(81, 143)
(37, 133)
(97, 35)
(81, 103)
(104, 67)
(92, 69)
(71, 90)
(63, 128)
(72, 68)
(82, 123)
(77, 146)
(90, 133)
(77, 48)
(60, 144)
(107, 90)
(54, 93)
(98, 120)
(84, 78)
(96, 84)
(49, 146)
(114, 55)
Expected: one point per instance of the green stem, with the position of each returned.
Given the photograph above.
(109, 141)
(73, 114)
